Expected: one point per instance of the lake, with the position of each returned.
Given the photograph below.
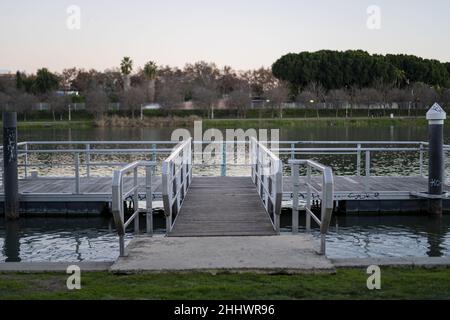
(94, 239)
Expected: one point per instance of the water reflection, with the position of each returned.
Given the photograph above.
(384, 236)
(11, 247)
(94, 239)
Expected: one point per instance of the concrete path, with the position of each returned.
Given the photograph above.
(267, 254)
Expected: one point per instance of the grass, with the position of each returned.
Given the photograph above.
(414, 283)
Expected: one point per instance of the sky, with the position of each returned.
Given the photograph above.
(241, 34)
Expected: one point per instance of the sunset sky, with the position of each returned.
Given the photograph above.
(242, 34)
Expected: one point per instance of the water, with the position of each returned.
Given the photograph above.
(94, 239)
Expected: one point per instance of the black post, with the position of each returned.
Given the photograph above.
(435, 116)
(10, 174)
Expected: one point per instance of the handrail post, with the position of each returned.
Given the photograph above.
(327, 206)
(367, 184)
(167, 194)
(154, 157)
(278, 194)
(295, 200)
(136, 200)
(358, 160)
(88, 160)
(149, 199)
(293, 151)
(77, 173)
(308, 197)
(224, 159)
(26, 160)
(421, 159)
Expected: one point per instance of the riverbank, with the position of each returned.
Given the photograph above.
(347, 283)
(159, 122)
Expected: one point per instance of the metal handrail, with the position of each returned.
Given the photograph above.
(119, 195)
(267, 175)
(326, 196)
(176, 180)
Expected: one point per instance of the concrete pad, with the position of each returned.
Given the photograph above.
(38, 267)
(406, 262)
(267, 254)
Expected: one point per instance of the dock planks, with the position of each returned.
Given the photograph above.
(222, 206)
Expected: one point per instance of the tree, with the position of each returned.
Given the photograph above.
(126, 66)
(338, 99)
(68, 77)
(205, 98)
(319, 95)
(368, 97)
(336, 70)
(5, 101)
(423, 96)
(45, 81)
(241, 100)
(151, 72)
(59, 103)
(24, 103)
(133, 99)
(277, 96)
(97, 102)
(170, 92)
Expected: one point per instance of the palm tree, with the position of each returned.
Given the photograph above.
(151, 72)
(126, 66)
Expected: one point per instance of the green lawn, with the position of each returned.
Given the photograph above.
(345, 284)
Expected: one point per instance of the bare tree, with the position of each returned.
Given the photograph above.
(97, 102)
(423, 96)
(278, 96)
(59, 103)
(205, 98)
(338, 98)
(446, 98)
(368, 97)
(24, 103)
(133, 98)
(241, 100)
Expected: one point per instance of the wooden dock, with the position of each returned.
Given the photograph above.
(354, 194)
(222, 206)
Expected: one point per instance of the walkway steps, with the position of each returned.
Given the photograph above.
(222, 206)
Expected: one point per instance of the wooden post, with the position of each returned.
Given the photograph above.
(10, 174)
(435, 116)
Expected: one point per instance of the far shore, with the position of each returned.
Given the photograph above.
(161, 122)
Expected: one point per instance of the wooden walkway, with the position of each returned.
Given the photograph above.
(222, 206)
(91, 189)
(346, 187)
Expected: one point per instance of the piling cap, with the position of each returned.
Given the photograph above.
(436, 113)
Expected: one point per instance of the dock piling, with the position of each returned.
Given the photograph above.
(435, 116)
(10, 173)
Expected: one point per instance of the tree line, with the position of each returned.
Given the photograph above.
(358, 69)
(323, 79)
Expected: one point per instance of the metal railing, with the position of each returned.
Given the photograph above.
(363, 150)
(120, 193)
(326, 197)
(81, 156)
(176, 180)
(267, 175)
